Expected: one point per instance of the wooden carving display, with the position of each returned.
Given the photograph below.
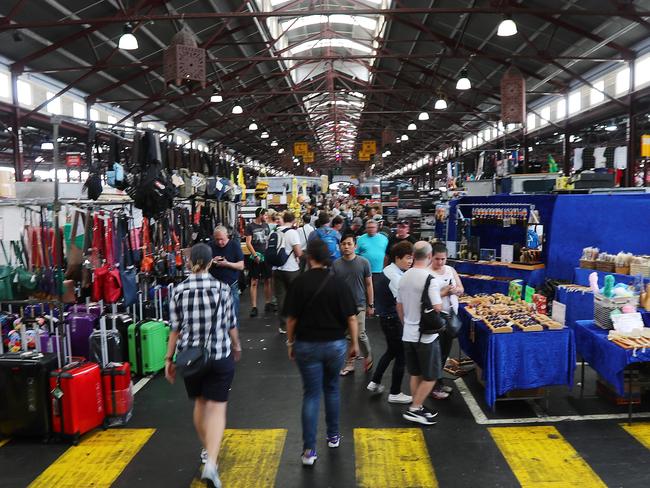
(513, 97)
(184, 61)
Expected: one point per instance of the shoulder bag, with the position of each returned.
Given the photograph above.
(431, 321)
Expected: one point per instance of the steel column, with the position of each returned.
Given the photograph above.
(18, 133)
(628, 175)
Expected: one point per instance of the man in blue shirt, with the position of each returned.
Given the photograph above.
(372, 246)
(227, 263)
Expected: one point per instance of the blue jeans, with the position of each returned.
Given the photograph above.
(320, 364)
(234, 292)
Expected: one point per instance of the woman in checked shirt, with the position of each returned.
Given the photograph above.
(202, 313)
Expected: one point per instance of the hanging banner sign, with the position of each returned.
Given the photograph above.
(363, 156)
(300, 148)
(308, 157)
(73, 160)
(645, 145)
(369, 147)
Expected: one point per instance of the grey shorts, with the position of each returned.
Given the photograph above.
(423, 360)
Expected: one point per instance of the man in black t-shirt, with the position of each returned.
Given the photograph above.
(257, 235)
(403, 233)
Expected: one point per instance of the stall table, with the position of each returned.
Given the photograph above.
(606, 358)
(519, 360)
(581, 277)
(474, 286)
(531, 275)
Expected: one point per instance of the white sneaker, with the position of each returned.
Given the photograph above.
(400, 398)
(211, 475)
(204, 456)
(309, 457)
(375, 387)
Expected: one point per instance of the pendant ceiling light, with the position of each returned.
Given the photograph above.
(441, 103)
(404, 137)
(281, 150)
(237, 109)
(507, 27)
(216, 98)
(412, 126)
(274, 143)
(264, 135)
(253, 126)
(47, 146)
(128, 41)
(463, 82)
(423, 116)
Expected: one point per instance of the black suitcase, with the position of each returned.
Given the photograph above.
(114, 344)
(24, 393)
(122, 322)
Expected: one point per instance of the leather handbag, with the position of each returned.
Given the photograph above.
(75, 253)
(192, 361)
(24, 280)
(113, 281)
(147, 262)
(128, 273)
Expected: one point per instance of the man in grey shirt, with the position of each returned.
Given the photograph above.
(355, 271)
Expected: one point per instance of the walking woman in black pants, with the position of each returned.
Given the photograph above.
(387, 284)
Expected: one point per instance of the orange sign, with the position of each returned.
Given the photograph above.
(308, 157)
(369, 147)
(300, 148)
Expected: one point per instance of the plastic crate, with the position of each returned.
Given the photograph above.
(603, 308)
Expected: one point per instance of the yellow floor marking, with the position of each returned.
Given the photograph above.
(392, 458)
(540, 457)
(249, 458)
(3, 442)
(96, 462)
(641, 432)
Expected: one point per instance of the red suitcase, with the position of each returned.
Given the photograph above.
(118, 393)
(77, 400)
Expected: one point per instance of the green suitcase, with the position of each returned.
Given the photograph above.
(148, 346)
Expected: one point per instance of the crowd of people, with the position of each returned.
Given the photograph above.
(325, 275)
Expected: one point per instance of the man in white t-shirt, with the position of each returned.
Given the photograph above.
(422, 351)
(285, 274)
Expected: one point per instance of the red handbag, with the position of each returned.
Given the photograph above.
(146, 266)
(112, 280)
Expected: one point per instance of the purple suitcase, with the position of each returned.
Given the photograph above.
(48, 342)
(81, 326)
(92, 308)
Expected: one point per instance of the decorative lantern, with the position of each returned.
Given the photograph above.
(513, 97)
(183, 60)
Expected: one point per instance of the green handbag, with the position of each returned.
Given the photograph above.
(24, 281)
(6, 277)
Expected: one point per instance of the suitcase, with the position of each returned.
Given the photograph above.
(121, 323)
(77, 399)
(81, 325)
(115, 347)
(118, 393)
(148, 340)
(24, 393)
(92, 308)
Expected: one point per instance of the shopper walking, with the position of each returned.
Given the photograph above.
(422, 351)
(451, 288)
(372, 246)
(284, 275)
(402, 233)
(202, 316)
(227, 263)
(328, 235)
(385, 300)
(355, 271)
(257, 237)
(319, 309)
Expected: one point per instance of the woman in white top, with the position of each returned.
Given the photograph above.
(451, 288)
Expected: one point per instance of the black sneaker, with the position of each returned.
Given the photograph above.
(254, 312)
(429, 413)
(418, 416)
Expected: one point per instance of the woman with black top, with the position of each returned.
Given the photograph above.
(320, 309)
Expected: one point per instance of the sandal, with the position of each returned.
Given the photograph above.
(368, 364)
(346, 372)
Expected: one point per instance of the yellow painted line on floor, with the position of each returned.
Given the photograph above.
(640, 431)
(249, 458)
(540, 457)
(96, 462)
(392, 458)
(3, 442)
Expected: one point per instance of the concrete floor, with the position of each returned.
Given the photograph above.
(267, 395)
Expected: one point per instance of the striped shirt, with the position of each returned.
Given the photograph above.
(202, 310)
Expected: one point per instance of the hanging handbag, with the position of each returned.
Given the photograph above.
(6, 277)
(75, 249)
(146, 265)
(431, 321)
(113, 282)
(128, 273)
(24, 280)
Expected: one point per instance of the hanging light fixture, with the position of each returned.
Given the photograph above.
(216, 97)
(463, 82)
(507, 27)
(404, 137)
(281, 150)
(412, 126)
(47, 146)
(274, 143)
(128, 41)
(253, 126)
(264, 135)
(237, 109)
(441, 103)
(423, 116)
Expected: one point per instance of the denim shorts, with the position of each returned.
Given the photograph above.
(214, 383)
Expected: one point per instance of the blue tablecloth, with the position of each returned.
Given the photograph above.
(520, 360)
(473, 286)
(608, 359)
(581, 277)
(534, 278)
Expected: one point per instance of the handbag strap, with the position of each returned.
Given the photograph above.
(18, 253)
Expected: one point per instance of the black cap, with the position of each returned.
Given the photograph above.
(403, 222)
(259, 211)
